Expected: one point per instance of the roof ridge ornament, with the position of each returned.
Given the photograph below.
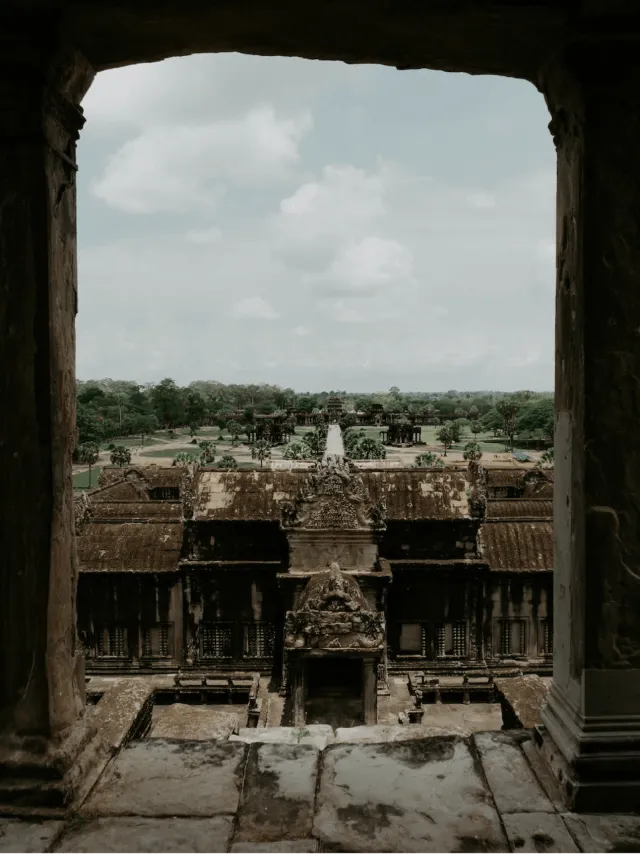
(334, 496)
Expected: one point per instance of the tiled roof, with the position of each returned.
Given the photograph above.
(130, 546)
(517, 546)
(131, 510)
(151, 476)
(245, 495)
(502, 478)
(519, 508)
(410, 494)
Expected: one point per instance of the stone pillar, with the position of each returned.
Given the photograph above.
(370, 694)
(42, 684)
(297, 675)
(177, 617)
(592, 721)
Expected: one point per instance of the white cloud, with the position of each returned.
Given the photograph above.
(363, 268)
(393, 270)
(183, 89)
(205, 235)
(254, 307)
(177, 168)
(481, 200)
(343, 194)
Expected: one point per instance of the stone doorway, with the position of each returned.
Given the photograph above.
(335, 691)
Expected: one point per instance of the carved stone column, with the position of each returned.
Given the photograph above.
(297, 674)
(370, 694)
(42, 684)
(592, 722)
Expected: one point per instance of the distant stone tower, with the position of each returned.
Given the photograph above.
(335, 408)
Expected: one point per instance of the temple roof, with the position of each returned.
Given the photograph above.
(151, 476)
(130, 546)
(517, 546)
(502, 478)
(410, 494)
(519, 508)
(132, 510)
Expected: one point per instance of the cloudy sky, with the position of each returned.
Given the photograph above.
(315, 225)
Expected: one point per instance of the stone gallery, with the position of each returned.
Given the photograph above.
(583, 58)
(326, 579)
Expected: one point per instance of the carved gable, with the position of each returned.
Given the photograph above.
(333, 614)
(333, 497)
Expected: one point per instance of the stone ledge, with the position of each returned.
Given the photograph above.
(442, 794)
(50, 778)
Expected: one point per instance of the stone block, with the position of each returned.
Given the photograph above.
(549, 784)
(394, 732)
(604, 833)
(281, 846)
(316, 735)
(194, 723)
(18, 835)
(511, 780)
(531, 832)
(424, 795)
(523, 698)
(119, 710)
(170, 778)
(279, 792)
(148, 835)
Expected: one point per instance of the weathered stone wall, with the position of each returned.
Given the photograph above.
(526, 597)
(39, 123)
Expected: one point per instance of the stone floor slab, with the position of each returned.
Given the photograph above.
(171, 778)
(406, 796)
(18, 835)
(548, 783)
(278, 793)
(603, 833)
(531, 832)
(317, 735)
(194, 723)
(148, 835)
(378, 733)
(512, 782)
(280, 846)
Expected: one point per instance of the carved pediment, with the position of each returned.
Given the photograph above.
(333, 614)
(332, 590)
(333, 496)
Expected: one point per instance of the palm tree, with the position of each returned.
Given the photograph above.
(120, 456)
(88, 453)
(261, 450)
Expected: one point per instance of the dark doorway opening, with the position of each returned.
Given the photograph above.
(335, 691)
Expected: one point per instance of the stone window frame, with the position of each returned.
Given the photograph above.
(504, 639)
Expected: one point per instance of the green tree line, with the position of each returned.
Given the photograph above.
(107, 408)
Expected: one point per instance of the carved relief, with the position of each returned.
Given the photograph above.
(477, 493)
(333, 496)
(333, 614)
(189, 490)
(82, 511)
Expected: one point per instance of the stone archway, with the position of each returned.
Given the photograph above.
(585, 62)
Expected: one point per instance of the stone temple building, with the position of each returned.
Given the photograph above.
(333, 576)
(583, 59)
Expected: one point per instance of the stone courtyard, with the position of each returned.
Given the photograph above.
(486, 792)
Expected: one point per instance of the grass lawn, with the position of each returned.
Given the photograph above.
(169, 453)
(81, 480)
(222, 449)
(130, 441)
